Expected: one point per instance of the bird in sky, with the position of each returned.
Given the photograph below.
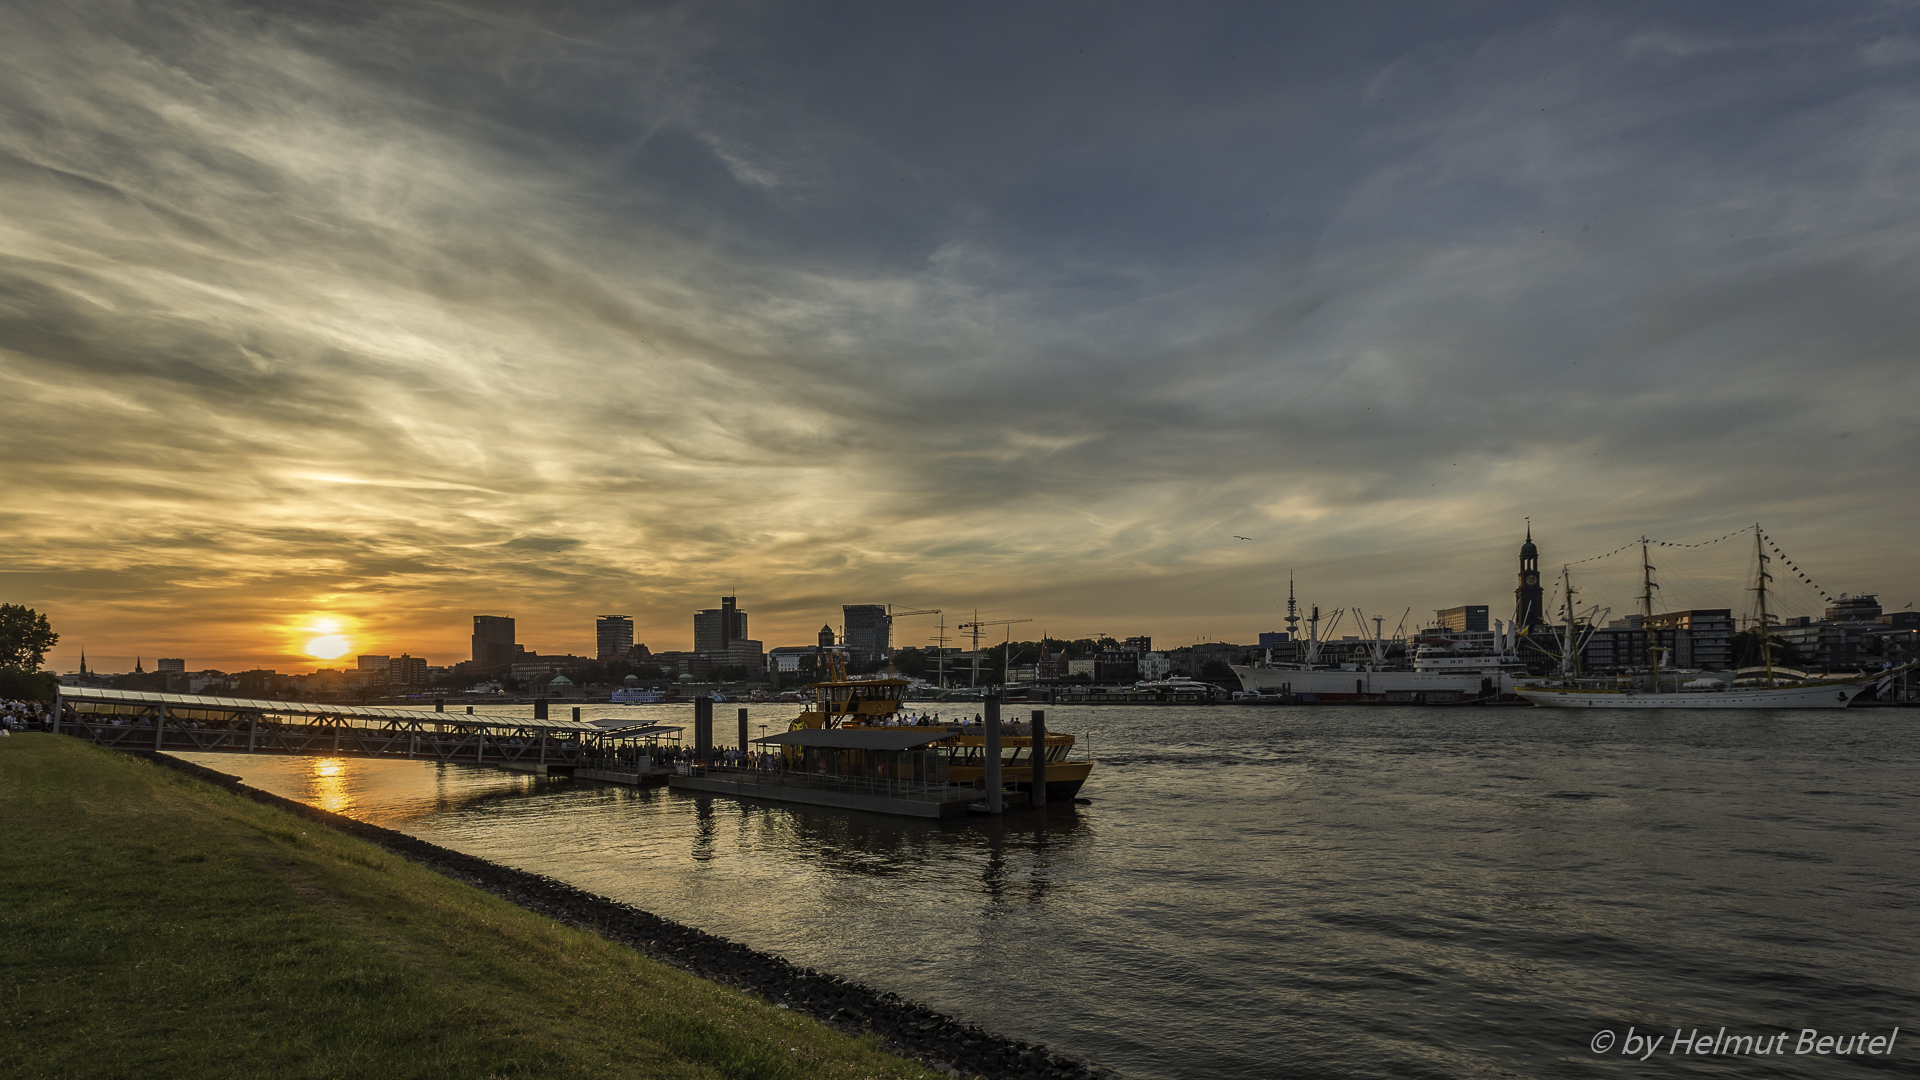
(1243, 538)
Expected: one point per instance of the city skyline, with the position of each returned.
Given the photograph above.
(356, 323)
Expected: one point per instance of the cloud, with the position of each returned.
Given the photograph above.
(410, 313)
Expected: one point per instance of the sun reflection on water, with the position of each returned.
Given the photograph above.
(327, 785)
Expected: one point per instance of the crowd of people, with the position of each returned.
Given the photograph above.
(21, 716)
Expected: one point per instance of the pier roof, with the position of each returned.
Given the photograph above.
(77, 695)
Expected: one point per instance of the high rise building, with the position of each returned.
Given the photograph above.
(613, 636)
(826, 638)
(869, 633)
(373, 663)
(493, 643)
(180, 665)
(716, 629)
(1468, 618)
(404, 670)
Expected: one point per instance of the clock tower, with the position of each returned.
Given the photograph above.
(1529, 600)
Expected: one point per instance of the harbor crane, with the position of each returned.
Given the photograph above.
(1005, 661)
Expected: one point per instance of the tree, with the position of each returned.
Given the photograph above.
(25, 637)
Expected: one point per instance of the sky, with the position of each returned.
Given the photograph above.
(370, 317)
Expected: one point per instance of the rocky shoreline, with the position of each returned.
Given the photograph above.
(904, 1027)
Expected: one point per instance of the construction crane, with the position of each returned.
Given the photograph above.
(975, 626)
(892, 615)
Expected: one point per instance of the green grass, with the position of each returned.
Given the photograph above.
(152, 925)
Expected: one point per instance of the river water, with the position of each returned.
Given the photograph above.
(1305, 891)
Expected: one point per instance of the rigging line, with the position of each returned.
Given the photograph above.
(1661, 543)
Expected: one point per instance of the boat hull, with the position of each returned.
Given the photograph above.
(1335, 685)
(1831, 696)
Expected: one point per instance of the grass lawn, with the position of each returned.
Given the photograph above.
(155, 926)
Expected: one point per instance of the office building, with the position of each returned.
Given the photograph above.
(868, 635)
(613, 636)
(1468, 618)
(373, 663)
(716, 629)
(493, 642)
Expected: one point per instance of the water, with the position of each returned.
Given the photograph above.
(1300, 891)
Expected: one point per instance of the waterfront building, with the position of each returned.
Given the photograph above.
(1853, 634)
(868, 632)
(493, 642)
(1466, 619)
(715, 629)
(407, 671)
(1697, 638)
(613, 636)
(826, 637)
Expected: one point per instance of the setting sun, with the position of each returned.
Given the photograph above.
(329, 647)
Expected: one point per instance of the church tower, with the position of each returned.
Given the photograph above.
(1529, 600)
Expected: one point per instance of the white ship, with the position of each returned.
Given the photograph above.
(633, 695)
(1444, 668)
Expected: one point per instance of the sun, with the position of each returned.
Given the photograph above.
(329, 647)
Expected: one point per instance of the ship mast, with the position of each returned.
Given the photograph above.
(1646, 612)
(1570, 652)
(1761, 577)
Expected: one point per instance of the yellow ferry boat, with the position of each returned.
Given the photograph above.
(874, 704)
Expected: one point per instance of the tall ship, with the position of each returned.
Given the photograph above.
(1768, 687)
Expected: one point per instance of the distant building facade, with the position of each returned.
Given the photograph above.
(493, 642)
(613, 636)
(178, 665)
(1466, 619)
(715, 629)
(868, 633)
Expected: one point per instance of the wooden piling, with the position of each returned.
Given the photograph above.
(996, 800)
(1039, 751)
(743, 736)
(702, 729)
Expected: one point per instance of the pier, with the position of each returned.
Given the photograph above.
(200, 724)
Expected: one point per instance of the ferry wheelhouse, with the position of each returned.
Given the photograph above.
(952, 753)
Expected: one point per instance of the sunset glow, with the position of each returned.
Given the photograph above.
(407, 316)
(329, 647)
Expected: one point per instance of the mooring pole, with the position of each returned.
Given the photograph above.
(743, 738)
(702, 729)
(996, 802)
(539, 708)
(1039, 757)
(253, 731)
